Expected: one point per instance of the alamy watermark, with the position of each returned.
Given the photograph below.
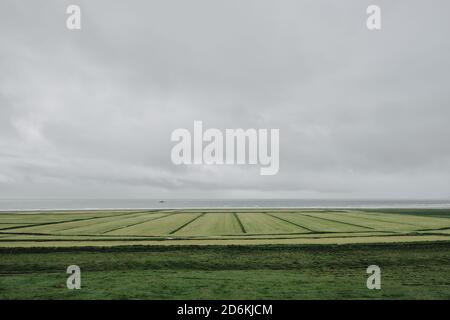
(374, 280)
(74, 280)
(373, 21)
(73, 21)
(234, 146)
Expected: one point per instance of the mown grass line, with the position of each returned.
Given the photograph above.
(137, 223)
(357, 215)
(66, 221)
(174, 240)
(74, 212)
(293, 223)
(434, 229)
(311, 233)
(14, 223)
(240, 248)
(128, 217)
(187, 223)
(239, 222)
(412, 214)
(424, 213)
(84, 237)
(22, 225)
(337, 221)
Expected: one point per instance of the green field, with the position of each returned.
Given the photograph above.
(222, 227)
(226, 254)
(409, 271)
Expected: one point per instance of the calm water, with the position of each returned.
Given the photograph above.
(71, 204)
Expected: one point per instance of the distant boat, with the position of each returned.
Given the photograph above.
(161, 201)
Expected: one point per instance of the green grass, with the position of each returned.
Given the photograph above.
(211, 224)
(222, 227)
(409, 271)
(226, 254)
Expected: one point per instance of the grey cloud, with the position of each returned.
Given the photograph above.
(90, 112)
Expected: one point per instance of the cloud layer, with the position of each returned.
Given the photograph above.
(89, 113)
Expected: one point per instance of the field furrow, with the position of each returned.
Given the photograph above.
(162, 226)
(319, 225)
(64, 225)
(212, 224)
(228, 226)
(107, 225)
(262, 223)
(416, 221)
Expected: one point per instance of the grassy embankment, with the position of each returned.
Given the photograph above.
(409, 271)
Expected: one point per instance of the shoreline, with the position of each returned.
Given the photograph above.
(368, 207)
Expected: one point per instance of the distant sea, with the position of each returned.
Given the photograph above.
(94, 204)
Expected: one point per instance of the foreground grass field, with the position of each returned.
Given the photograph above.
(226, 254)
(222, 227)
(409, 271)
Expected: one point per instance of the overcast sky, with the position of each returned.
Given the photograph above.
(89, 113)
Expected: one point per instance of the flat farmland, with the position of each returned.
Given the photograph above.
(226, 254)
(410, 271)
(222, 226)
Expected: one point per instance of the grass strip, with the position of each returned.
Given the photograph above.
(293, 223)
(187, 223)
(337, 221)
(239, 222)
(135, 224)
